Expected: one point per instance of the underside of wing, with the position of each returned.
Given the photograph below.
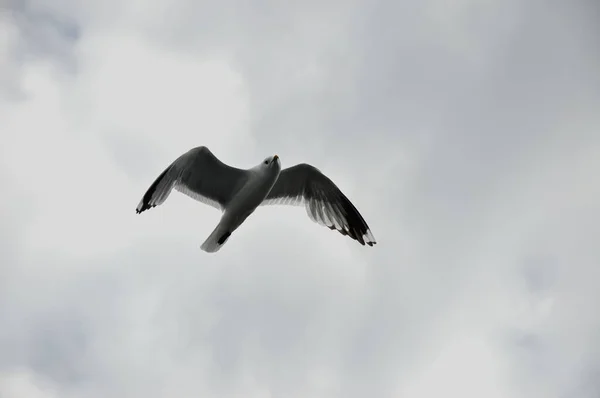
(199, 175)
(199, 197)
(325, 204)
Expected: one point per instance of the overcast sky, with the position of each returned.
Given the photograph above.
(466, 133)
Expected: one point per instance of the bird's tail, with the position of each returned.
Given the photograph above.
(216, 239)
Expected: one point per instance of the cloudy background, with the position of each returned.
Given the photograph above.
(466, 132)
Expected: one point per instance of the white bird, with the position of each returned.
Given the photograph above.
(238, 192)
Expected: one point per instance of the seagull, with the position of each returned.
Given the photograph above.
(238, 192)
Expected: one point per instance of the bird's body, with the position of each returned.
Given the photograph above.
(238, 192)
(246, 200)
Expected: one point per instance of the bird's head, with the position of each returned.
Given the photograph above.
(272, 162)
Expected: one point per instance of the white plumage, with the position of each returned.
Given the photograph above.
(238, 192)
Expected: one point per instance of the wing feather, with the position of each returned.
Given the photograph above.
(198, 174)
(325, 203)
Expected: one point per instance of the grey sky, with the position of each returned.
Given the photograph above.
(466, 133)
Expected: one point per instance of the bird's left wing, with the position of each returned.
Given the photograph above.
(325, 204)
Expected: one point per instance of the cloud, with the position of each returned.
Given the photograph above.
(23, 384)
(465, 134)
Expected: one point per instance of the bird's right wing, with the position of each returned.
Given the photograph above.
(198, 174)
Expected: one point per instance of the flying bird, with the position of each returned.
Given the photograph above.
(238, 192)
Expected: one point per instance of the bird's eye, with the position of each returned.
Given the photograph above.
(266, 162)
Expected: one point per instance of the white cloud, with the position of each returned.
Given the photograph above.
(462, 139)
(24, 385)
(80, 192)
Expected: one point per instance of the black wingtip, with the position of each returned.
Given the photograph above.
(357, 226)
(143, 208)
(144, 204)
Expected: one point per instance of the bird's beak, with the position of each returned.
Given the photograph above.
(275, 157)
